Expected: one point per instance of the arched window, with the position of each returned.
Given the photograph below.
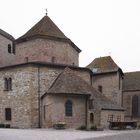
(91, 118)
(135, 105)
(9, 48)
(10, 83)
(68, 108)
(5, 84)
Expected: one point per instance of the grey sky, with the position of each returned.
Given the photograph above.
(97, 27)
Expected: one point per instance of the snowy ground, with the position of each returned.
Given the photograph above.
(50, 134)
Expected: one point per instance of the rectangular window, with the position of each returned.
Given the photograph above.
(8, 114)
(9, 48)
(53, 59)
(119, 82)
(100, 88)
(7, 84)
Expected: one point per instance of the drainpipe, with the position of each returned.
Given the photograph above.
(39, 115)
(91, 79)
(86, 112)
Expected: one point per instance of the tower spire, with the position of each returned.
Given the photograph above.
(46, 12)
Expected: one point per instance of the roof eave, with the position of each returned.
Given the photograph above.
(24, 39)
(73, 94)
(111, 109)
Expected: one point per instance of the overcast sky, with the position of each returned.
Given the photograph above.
(97, 27)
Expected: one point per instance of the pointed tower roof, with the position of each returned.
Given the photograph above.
(46, 28)
(103, 65)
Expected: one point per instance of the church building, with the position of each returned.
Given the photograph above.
(41, 83)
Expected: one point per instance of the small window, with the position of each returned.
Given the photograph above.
(7, 84)
(53, 59)
(10, 83)
(9, 48)
(91, 104)
(91, 118)
(8, 115)
(45, 109)
(100, 88)
(26, 59)
(68, 108)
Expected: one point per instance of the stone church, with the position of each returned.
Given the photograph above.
(41, 83)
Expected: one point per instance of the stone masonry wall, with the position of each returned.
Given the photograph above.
(55, 111)
(5, 57)
(110, 86)
(127, 104)
(22, 99)
(44, 50)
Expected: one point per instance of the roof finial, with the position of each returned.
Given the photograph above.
(46, 12)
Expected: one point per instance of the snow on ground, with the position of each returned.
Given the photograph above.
(51, 134)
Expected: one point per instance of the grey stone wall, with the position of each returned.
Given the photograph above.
(55, 111)
(22, 99)
(110, 86)
(29, 83)
(127, 104)
(44, 49)
(5, 57)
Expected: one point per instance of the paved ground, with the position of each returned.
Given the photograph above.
(50, 134)
(125, 136)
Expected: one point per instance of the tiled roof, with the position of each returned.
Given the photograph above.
(103, 64)
(131, 81)
(107, 104)
(70, 83)
(5, 34)
(44, 27)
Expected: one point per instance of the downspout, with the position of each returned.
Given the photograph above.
(86, 112)
(39, 115)
(91, 79)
